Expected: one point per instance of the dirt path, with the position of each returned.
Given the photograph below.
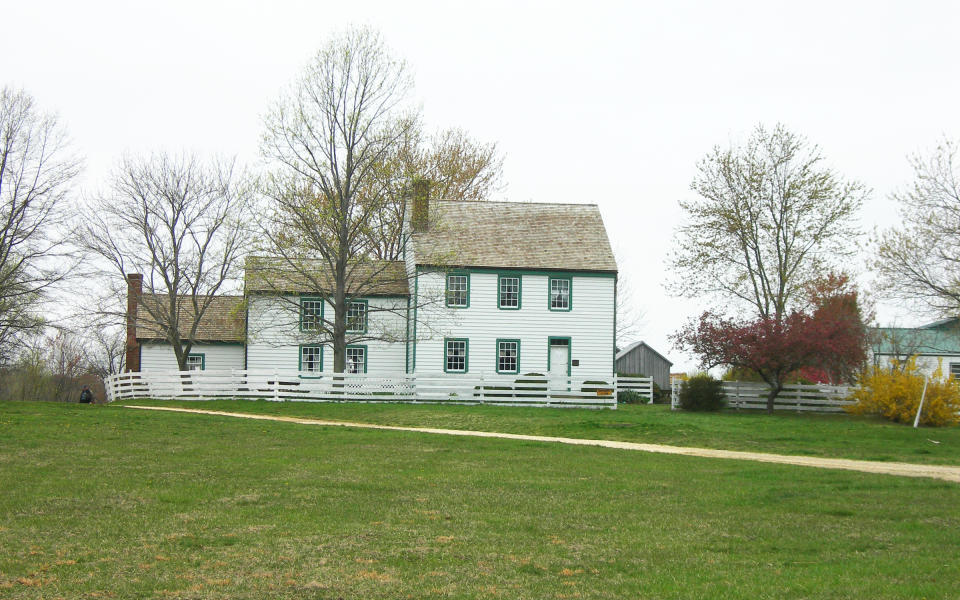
(947, 473)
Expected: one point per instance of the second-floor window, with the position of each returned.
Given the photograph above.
(458, 290)
(357, 316)
(509, 292)
(311, 314)
(560, 293)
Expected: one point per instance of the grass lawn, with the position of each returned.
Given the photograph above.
(103, 501)
(833, 436)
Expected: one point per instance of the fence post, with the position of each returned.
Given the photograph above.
(481, 387)
(276, 386)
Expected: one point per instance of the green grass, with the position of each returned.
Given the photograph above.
(834, 436)
(111, 502)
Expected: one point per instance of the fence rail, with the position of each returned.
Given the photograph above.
(750, 395)
(519, 390)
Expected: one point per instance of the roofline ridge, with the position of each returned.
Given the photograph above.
(518, 202)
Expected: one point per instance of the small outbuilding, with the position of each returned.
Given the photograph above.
(640, 359)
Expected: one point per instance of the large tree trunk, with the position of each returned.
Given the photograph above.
(772, 396)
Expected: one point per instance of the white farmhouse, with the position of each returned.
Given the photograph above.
(484, 288)
(532, 289)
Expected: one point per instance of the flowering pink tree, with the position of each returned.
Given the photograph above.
(831, 337)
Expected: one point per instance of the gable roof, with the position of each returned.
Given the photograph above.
(278, 275)
(641, 344)
(518, 235)
(223, 321)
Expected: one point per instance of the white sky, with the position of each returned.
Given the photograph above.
(595, 102)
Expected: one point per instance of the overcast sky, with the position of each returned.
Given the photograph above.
(591, 102)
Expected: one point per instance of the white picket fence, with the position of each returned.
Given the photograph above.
(752, 395)
(519, 390)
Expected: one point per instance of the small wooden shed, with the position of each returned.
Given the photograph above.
(640, 359)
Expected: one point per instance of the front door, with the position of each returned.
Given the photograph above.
(559, 362)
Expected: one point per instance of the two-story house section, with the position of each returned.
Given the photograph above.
(286, 312)
(524, 288)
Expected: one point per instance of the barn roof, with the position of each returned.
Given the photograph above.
(223, 321)
(312, 276)
(522, 235)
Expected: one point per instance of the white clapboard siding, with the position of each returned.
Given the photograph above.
(160, 357)
(748, 395)
(589, 324)
(274, 335)
(432, 388)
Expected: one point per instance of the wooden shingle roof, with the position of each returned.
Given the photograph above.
(369, 278)
(223, 320)
(520, 235)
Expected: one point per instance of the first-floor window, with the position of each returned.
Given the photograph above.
(955, 370)
(310, 358)
(455, 356)
(356, 359)
(508, 356)
(195, 362)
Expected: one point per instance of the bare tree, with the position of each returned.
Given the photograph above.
(36, 170)
(630, 318)
(181, 223)
(770, 218)
(457, 167)
(108, 350)
(920, 260)
(326, 141)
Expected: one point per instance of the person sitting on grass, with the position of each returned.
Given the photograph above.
(86, 396)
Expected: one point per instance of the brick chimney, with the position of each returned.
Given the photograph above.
(134, 290)
(420, 213)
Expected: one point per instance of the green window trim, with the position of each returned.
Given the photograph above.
(500, 278)
(517, 357)
(447, 292)
(569, 351)
(365, 355)
(203, 360)
(319, 370)
(569, 280)
(466, 354)
(366, 312)
(303, 312)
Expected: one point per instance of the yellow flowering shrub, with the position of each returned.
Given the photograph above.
(895, 395)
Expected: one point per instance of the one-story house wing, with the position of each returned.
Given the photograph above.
(218, 343)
